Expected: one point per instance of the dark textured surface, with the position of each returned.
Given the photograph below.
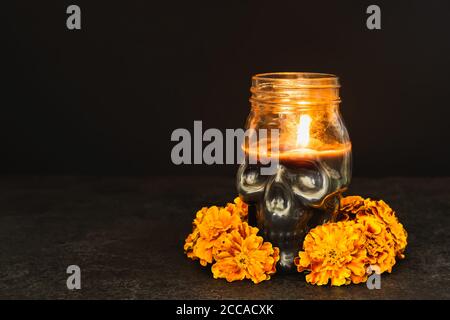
(126, 234)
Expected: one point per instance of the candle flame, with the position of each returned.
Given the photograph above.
(303, 130)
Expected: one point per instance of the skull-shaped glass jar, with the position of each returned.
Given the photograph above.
(313, 153)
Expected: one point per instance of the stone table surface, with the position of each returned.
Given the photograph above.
(126, 235)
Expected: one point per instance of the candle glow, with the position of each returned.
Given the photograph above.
(312, 152)
(303, 130)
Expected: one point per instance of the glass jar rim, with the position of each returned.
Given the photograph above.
(297, 79)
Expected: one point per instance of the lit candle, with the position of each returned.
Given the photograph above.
(302, 149)
(297, 148)
(303, 130)
(313, 151)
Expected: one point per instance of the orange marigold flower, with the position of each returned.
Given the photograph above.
(192, 238)
(355, 207)
(352, 203)
(349, 206)
(239, 207)
(217, 220)
(241, 254)
(209, 224)
(385, 213)
(336, 252)
(190, 242)
(379, 243)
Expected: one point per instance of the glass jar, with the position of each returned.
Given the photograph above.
(312, 150)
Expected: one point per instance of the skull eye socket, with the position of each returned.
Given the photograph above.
(309, 181)
(251, 182)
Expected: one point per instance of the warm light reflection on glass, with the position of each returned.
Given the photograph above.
(303, 130)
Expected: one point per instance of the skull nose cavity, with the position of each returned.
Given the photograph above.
(278, 199)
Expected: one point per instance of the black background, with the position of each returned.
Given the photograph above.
(105, 99)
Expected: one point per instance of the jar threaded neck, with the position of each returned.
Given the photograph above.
(295, 89)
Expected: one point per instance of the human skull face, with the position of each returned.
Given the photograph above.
(291, 201)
